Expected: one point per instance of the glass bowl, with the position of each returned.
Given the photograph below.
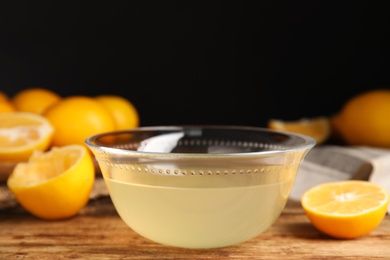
(199, 186)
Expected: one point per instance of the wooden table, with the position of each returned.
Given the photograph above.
(98, 233)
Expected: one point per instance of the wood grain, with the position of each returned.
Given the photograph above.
(98, 233)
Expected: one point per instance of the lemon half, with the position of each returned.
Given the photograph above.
(55, 184)
(21, 133)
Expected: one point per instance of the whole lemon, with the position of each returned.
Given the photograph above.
(35, 100)
(6, 107)
(124, 112)
(74, 118)
(365, 119)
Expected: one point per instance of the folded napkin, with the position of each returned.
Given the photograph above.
(328, 163)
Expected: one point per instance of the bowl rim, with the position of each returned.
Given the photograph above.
(307, 141)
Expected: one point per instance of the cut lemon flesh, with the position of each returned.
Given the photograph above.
(346, 209)
(21, 133)
(318, 128)
(55, 184)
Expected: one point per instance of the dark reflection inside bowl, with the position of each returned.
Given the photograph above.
(197, 140)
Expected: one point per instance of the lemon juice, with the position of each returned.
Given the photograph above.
(200, 211)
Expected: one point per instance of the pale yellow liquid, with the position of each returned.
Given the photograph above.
(200, 217)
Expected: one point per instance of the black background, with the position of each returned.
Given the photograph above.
(199, 62)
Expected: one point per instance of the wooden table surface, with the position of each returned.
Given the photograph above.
(97, 232)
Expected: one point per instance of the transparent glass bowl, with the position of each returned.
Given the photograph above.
(199, 186)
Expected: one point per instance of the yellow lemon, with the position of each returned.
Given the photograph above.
(346, 209)
(34, 100)
(75, 118)
(6, 107)
(4, 97)
(364, 119)
(124, 112)
(21, 133)
(5, 103)
(55, 184)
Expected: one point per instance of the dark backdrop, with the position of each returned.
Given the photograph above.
(199, 62)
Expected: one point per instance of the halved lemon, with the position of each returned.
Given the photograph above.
(318, 128)
(21, 133)
(55, 184)
(346, 209)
